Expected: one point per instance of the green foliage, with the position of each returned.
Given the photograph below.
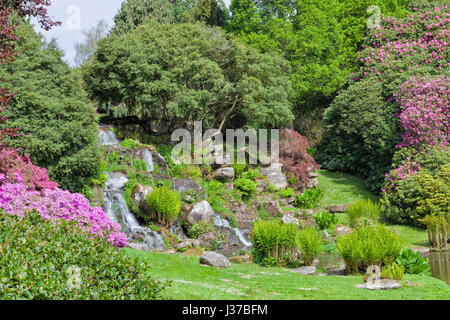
(413, 262)
(362, 132)
(286, 193)
(393, 271)
(139, 165)
(438, 228)
(310, 243)
(129, 144)
(418, 196)
(38, 266)
(165, 205)
(251, 174)
(51, 108)
(325, 220)
(274, 243)
(211, 12)
(367, 246)
(186, 171)
(233, 221)
(239, 168)
(189, 71)
(309, 199)
(246, 186)
(200, 228)
(363, 212)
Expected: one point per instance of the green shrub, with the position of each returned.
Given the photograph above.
(246, 186)
(310, 243)
(252, 174)
(419, 195)
(239, 168)
(164, 204)
(37, 256)
(367, 246)
(363, 212)
(393, 271)
(200, 228)
(186, 171)
(309, 199)
(413, 262)
(325, 220)
(139, 165)
(287, 192)
(274, 243)
(129, 144)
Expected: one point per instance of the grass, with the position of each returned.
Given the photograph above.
(342, 188)
(190, 280)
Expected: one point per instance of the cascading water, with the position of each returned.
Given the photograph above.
(148, 159)
(107, 138)
(222, 224)
(115, 206)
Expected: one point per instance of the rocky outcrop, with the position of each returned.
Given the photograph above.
(214, 259)
(313, 181)
(139, 196)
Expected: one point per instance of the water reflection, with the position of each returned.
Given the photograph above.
(440, 264)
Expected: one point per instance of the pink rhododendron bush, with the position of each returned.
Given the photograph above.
(25, 187)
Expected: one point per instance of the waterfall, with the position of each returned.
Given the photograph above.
(222, 224)
(148, 159)
(107, 138)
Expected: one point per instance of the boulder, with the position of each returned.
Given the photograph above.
(184, 185)
(201, 211)
(214, 259)
(313, 183)
(383, 284)
(188, 243)
(139, 196)
(308, 270)
(206, 238)
(274, 174)
(341, 229)
(241, 259)
(338, 208)
(288, 219)
(224, 174)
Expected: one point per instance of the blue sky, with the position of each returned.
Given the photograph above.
(77, 16)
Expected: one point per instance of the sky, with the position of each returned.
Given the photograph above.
(77, 16)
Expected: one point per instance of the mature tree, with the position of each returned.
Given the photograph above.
(52, 111)
(87, 48)
(8, 39)
(211, 12)
(181, 73)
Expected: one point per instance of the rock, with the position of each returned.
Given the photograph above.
(214, 259)
(313, 183)
(138, 246)
(308, 270)
(188, 199)
(384, 284)
(139, 196)
(288, 219)
(272, 207)
(201, 211)
(184, 185)
(187, 244)
(224, 174)
(206, 238)
(313, 174)
(341, 230)
(241, 259)
(150, 238)
(275, 176)
(338, 208)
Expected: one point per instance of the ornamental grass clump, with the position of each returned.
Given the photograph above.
(310, 243)
(44, 259)
(274, 243)
(363, 212)
(164, 205)
(367, 246)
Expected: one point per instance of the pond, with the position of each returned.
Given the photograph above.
(439, 261)
(440, 264)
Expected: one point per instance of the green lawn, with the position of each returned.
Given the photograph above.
(190, 280)
(342, 188)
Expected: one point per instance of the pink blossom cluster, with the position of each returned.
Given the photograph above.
(406, 44)
(424, 105)
(406, 169)
(20, 193)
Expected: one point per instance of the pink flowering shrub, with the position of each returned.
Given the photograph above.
(25, 187)
(424, 105)
(400, 173)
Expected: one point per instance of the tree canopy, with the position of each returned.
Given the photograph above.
(181, 73)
